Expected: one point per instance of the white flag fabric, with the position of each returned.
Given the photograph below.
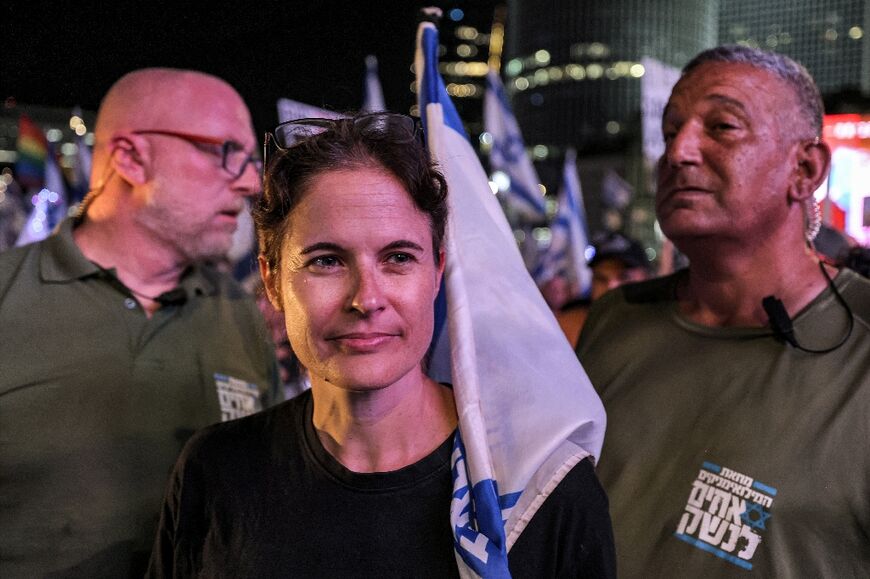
(290, 110)
(508, 153)
(570, 238)
(655, 89)
(373, 100)
(49, 205)
(527, 412)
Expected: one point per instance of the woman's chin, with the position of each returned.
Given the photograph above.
(367, 379)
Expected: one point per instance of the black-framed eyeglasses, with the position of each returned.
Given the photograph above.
(396, 126)
(234, 159)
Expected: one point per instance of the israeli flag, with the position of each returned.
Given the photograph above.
(508, 153)
(49, 205)
(373, 99)
(566, 254)
(527, 412)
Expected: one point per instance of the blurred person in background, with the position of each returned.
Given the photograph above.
(617, 260)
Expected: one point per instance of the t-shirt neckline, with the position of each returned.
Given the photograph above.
(433, 464)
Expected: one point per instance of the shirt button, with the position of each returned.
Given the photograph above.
(130, 303)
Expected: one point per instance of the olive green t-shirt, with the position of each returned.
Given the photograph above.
(96, 401)
(728, 452)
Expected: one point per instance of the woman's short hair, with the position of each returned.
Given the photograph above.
(357, 141)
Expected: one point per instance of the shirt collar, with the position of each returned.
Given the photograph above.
(62, 261)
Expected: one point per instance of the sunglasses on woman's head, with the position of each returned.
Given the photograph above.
(288, 134)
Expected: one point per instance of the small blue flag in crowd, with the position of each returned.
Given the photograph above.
(373, 99)
(527, 412)
(566, 255)
(508, 153)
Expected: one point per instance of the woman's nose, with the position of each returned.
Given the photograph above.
(368, 295)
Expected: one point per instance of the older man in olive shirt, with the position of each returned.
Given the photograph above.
(117, 340)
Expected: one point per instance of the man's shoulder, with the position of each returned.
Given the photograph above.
(11, 259)
(650, 291)
(655, 290)
(17, 262)
(654, 293)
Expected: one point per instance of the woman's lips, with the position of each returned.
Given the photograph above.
(364, 341)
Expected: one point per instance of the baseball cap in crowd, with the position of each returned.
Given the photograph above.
(619, 247)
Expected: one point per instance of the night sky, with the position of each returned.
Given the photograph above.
(64, 53)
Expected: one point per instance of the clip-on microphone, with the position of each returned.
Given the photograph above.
(781, 324)
(778, 318)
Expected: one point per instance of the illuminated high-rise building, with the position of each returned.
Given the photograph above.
(829, 37)
(574, 71)
(574, 67)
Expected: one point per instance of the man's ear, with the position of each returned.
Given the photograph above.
(271, 283)
(130, 157)
(813, 162)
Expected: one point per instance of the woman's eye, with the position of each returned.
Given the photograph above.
(324, 261)
(400, 258)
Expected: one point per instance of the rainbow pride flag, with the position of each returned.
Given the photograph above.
(32, 151)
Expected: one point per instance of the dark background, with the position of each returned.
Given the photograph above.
(63, 53)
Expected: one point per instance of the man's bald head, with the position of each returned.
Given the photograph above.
(165, 98)
(159, 96)
(174, 160)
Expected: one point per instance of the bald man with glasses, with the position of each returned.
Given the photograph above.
(119, 339)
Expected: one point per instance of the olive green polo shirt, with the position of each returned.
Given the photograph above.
(96, 401)
(729, 453)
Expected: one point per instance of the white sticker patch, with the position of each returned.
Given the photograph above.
(237, 398)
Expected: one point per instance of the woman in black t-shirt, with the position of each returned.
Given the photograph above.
(353, 478)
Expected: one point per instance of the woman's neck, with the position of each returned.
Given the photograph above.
(385, 429)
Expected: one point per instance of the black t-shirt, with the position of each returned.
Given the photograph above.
(261, 497)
